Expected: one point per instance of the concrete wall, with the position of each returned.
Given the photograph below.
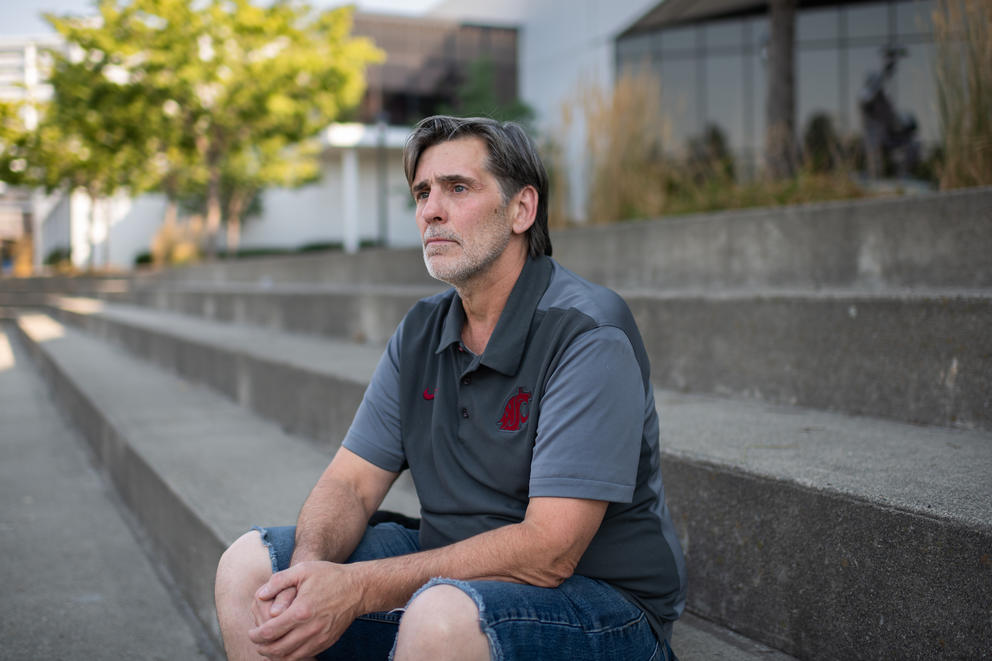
(934, 241)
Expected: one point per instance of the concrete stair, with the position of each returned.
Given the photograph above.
(198, 470)
(816, 519)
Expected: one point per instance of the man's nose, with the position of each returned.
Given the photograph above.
(432, 210)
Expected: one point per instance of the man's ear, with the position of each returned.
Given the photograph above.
(523, 206)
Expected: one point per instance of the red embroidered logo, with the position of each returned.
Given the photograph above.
(429, 394)
(516, 411)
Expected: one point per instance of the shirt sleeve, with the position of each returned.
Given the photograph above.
(375, 433)
(592, 420)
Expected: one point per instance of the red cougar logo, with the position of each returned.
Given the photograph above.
(516, 411)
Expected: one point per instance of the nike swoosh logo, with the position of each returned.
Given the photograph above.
(428, 395)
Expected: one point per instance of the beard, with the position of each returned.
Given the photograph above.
(468, 258)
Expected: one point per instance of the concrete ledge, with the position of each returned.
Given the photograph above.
(826, 577)
(310, 387)
(785, 513)
(361, 314)
(915, 357)
(918, 357)
(197, 471)
(828, 536)
(932, 240)
(373, 266)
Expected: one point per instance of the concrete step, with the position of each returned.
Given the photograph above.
(359, 313)
(77, 581)
(197, 470)
(938, 240)
(371, 266)
(918, 357)
(804, 529)
(923, 357)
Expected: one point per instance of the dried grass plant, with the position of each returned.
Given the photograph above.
(963, 30)
(624, 132)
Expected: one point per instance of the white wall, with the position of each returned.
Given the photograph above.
(134, 222)
(52, 225)
(292, 218)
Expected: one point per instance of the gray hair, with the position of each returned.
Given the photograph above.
(513, 160)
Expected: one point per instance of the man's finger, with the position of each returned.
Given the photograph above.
(303, 642)
(282, 601)
(277, 583)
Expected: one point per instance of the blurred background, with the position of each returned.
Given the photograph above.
(168, 131)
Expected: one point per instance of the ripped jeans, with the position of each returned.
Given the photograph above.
(581, 619)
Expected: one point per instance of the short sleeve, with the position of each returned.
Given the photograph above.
(375, 433)
(591, 421)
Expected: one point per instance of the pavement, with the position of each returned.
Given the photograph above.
(77, 581)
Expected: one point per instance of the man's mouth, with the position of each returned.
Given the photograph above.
(438, 241)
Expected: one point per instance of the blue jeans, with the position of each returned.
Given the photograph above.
(581, 619)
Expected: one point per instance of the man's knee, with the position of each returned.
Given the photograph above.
(244, 566)
(441, 623)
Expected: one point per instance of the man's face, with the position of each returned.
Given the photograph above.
(463, 222)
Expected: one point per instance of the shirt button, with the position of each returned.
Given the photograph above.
(465, 413)
(467, 380)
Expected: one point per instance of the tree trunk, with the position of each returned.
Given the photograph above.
(781, 151)
(106, 210)
(234, 210)
(91, 230)
(213, 214)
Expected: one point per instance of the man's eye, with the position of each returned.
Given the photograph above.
(459, 188)
(421, 195)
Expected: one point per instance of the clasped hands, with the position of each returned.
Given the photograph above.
(303, 610)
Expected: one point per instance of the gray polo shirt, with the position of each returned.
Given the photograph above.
(559, 404)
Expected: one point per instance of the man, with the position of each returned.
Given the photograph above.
(521, 403)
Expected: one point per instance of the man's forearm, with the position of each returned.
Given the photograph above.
(526, 552)
(331, 523)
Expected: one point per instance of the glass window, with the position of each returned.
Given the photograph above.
(861, 60)
(679, 39)
(725, 96)
(817, 25)
(817, 86)
(758, 32)
(915, 90)
(634, 51)
(867, 22)
(678, 98)
(915, 17)
(754, 135)
(721, 35)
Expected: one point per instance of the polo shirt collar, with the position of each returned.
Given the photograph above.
(506, 346)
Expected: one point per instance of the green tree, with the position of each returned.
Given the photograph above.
(226, 87)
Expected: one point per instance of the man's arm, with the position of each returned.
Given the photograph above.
(332, 520)
(541, 550)
(334, 516)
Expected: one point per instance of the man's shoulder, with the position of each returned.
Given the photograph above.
(570, 291)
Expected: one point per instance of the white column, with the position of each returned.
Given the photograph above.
(349, 198)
